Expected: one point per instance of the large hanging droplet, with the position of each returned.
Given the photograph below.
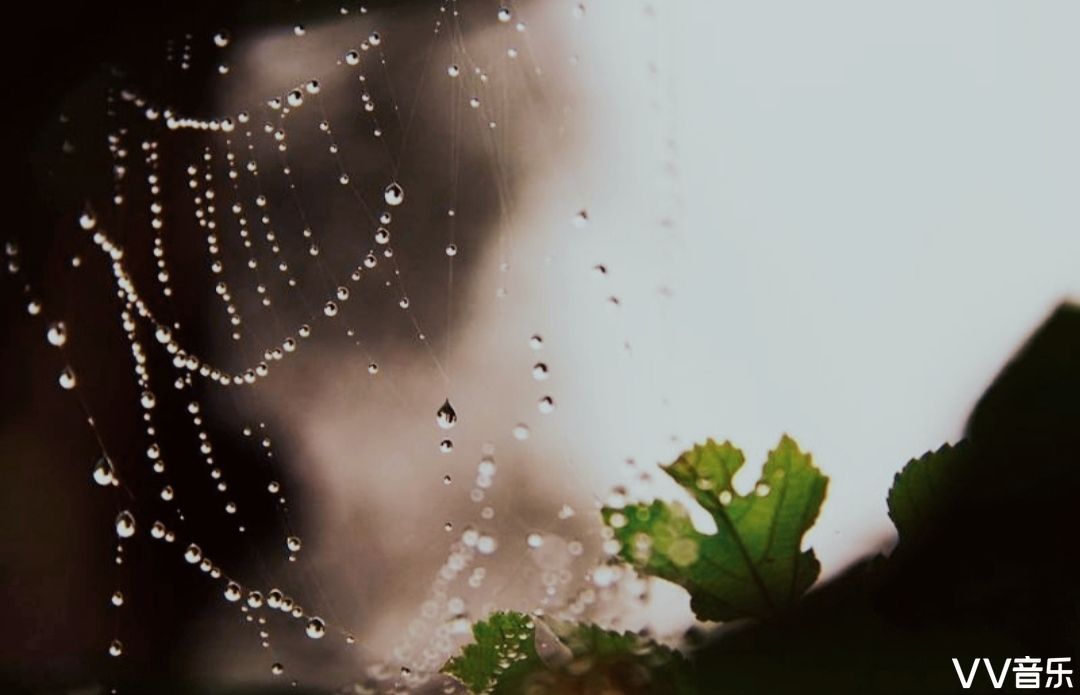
(193, 554)
(57, 334)
(125, 524)
(394, 194)
(316, 628)
(233, 592)
(446, 416)
(67, 379)
(104, 472)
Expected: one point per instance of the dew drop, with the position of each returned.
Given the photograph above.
(540, 371)
(535, 540)
(221, 39)
(277, 669)
(104, 472)
(581, 219)
(57, 334)
(293, 543)
(546, 405)
(446, 446)
(394, 194)
(232, 592)
(116, 648)
(67, 379)
(445, 415)
(453, 71)
(521, 432)
(125, 524)
(504, 14)
(316, 628)
(193, 554)
(117, 599)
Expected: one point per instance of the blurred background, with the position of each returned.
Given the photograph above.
(674, 220)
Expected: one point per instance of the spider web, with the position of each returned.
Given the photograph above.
(308, 239)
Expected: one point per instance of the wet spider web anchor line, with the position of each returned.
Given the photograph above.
(265, 256)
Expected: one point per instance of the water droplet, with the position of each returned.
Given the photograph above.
(117, 599)
(293, 543)
(221, 39)
(125, 524)
(546, 405)
(581, 219)
(67, 379)
(446, 446)
(394, 194)
(277, 669)
(540, 371)
(521, 432)
(536, 342)
(453, 71)
(104, 472)
(504, 14)
(352, 57)
(330, 309)
(193, 554)
(445, 415)
(535, 540)
(57, 334)
(116, 648)
(316, 628)
(232, 592)
(762, 489)
(451, 249)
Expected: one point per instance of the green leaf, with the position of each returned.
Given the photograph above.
(926, 486)
(504, 652)
(752, 565)
(577, 658)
